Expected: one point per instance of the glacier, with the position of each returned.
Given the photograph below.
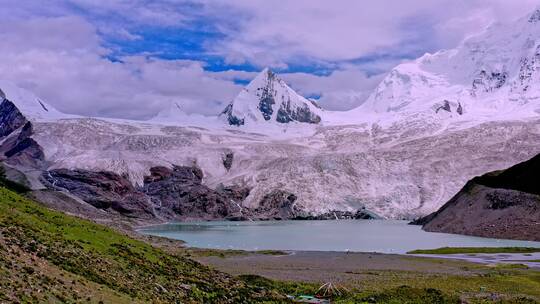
(430, 126)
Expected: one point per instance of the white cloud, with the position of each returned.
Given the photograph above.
(57, 50)
(341, 90)
(54, 34)
(278, 33)
(163, 12)
(61, 60)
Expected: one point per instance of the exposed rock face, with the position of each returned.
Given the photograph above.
(489, 81)
(11, 118)
(228, 160)
(179, 193)
(26, 152)
(459, 109)
(103, 190)
(231, 118)
(535, 17)
(17, 148)
(171, 194)
(449, 107)
(23, 150)
(278, 205)
(286, 114)
(236, 193)
(445, 107)
(266, 95)
(168, 194)
(499, 204)
(360, 214)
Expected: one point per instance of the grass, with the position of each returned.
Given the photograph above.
(499, 285)
(208, 252)
(508, 283)
(46, 256)
(401, 294)
(511, 266)
(405, 295)
(473, 250)
(224, 253)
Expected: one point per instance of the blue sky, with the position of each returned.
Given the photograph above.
(131, 59)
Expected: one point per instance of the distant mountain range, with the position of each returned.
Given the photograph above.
(430, 126)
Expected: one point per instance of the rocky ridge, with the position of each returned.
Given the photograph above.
(176, 194)
(502, 204)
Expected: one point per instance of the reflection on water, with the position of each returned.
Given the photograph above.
(343, 235)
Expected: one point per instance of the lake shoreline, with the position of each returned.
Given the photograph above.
(383, 236)
(352, 269)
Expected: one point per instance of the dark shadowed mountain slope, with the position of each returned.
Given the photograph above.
(502, 204)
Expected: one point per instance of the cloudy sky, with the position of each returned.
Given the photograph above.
(130, 59)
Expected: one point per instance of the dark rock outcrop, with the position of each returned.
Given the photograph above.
(169, 194)
(179, 193)
(18, 148)
(361, 214)
(103, 190)
(235, 192)
(489, 81)
(286, 114)
(278, 205)
(231, 118)
(266, 94)
(23, 150)
(228, 159)
(445, 107)
(535, 17)
(174, 194)
(11, 118)
(26, 152)
(459, 109)
(503, 204)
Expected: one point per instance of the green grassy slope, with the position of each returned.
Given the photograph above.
(49, 257)
(46, 256)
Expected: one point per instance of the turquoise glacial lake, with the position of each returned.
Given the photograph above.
(385, 236)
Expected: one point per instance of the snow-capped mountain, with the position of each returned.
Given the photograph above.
(174, 115)
(495, 73)
(267, 98)
(406, 169)
(430, 126)
(29, 104)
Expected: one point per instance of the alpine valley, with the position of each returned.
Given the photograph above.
(431, 125)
